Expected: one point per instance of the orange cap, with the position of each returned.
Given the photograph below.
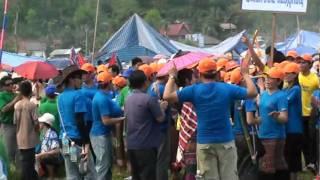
(104, 77)
(102, 68)
(275, 72)
(206, 65)
(307, 57)
(148, 71)
(291, 68)
(221, 63)
(119, 81)
(282, 64)
(235, 76)
(231, 65)
(88, 67)
(292, 53)
(154, 66)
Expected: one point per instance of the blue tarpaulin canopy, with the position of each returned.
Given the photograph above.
(232, 43)
(303, 42)
(229, 44)
(14, 59)
(59, 63)
(135, 38)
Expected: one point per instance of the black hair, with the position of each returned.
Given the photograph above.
(209, 75)
(183, 76)
(137, 79)
(103, 85)
(115, 69)
(99, 62)
(135, 61)
(25, 88)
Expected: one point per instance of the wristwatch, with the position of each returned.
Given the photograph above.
(172, 77)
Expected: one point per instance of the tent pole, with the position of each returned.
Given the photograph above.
(270, 62)
(298, 29)
(95, 30)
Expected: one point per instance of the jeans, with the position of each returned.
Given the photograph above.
(102, 147)
(163, 162)
(72, 168)
(27, 161)
(217, 161)
(8, 132)
(143, 163)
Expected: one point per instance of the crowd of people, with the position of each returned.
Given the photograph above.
(197, 122)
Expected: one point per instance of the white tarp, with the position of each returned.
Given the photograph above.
(285, 6)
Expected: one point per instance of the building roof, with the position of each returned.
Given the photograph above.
(176, 29)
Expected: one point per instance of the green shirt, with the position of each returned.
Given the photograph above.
(123, 95)
(50, 106)
(5, 98)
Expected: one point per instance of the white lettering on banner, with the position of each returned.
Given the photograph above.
(291, 6)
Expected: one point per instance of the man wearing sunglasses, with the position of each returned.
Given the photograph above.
(8, 130)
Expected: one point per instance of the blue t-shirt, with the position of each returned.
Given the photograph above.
(316, 95)
(294, 124)
(249, 106)
(270, 128)
(157, 90)
(89, 91)
(102, 105)
(70, 102)
(212, 102)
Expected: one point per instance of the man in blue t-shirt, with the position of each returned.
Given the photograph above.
(105, 113)
(216, 151)
(72, 110)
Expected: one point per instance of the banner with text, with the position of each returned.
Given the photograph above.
(281, 6)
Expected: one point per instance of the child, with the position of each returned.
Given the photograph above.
(49, 154)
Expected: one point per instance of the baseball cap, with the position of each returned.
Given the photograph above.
(6, 80)
(292, 53)
(207, 65)
(88, 67)
(231, 65)
(282, 64)
(104, 77)
(101, 68)
(119, 81)
(307, 57)
(235, 76)
(50, 90)
(47, 118)
(148, 71)
(291, 68)
(275, 72)
(221, 63)
(3, 74)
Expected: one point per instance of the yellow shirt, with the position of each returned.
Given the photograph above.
(308, 84)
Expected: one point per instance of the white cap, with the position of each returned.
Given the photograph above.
(3, 74)
(47, 118)
(15, 75)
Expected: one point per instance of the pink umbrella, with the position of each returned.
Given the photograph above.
(183, 62)
(34, 70)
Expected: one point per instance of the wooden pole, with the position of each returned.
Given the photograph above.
(95, 31)
(270, 62)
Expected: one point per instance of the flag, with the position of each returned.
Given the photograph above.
(4, 26)
(73, 56)
(113, 59)
(81, 60)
